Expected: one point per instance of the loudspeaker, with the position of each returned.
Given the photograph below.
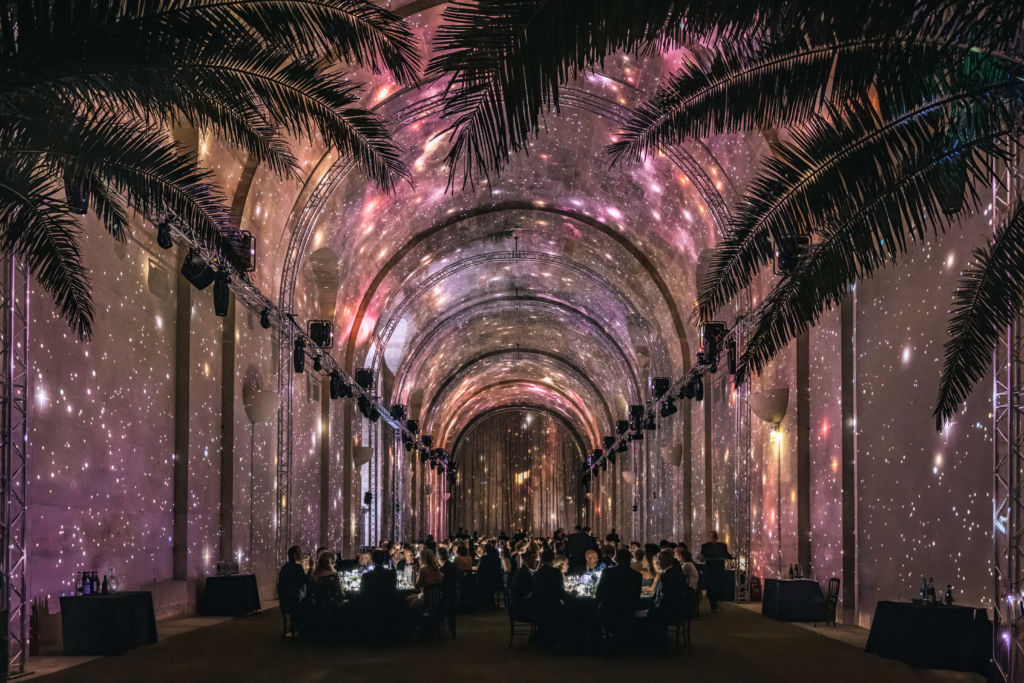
(197, 271)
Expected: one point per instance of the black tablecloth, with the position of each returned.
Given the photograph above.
(932, 636)
(107, 624)
(793, 600)
(230, 596)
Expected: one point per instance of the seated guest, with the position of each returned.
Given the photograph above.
(291, 587)
(407, 564)
(324, 601)
(547, 600)
(607, 556)
(647, 569)
(380, 608)
(521, 588)
(428, 576)
(380, 584)
(593, 560)
(561, 563)
(671, 598)
(463, 562)
(449, 573)
(618, 594)
(364, 558)
(685, 560)
(613, 538)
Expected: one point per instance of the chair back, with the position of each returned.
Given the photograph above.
(833, 589)
(431, 597)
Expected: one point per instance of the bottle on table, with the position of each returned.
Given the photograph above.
(924, 589)
(790, 572)
(86, 584)
(105, 587)
(949, 594)
(931, 590)
(113, 581)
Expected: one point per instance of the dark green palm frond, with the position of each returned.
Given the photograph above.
(109, 208)
(506, 59)
(831, 168)
(35, 225)
(779, 87)
(990, 296)
(850, 250)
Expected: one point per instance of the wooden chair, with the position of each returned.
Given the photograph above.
(430, 611)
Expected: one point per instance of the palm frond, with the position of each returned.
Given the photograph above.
(35, 225)
(989, 297)
(849, 250)
(833, 167)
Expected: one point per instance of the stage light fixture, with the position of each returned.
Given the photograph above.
(649, 424)
(622, 447)
(424, 455)
(364, 378)
(413, 426)
(668, 407)
(788, 251)
(621, 427)
(407, 445)
(687, 391)
(265, 319)
(197, 271)
(636, 412)
(76, 192)
(636, 435)
(661, 386)
(427, 440)
(604, 465)
(321, 332)
(608, 441)
(730, 356)
(221, 294)
(611, 458)
(163, 235)
(698, 389)
(299, 358)
(240, 250)
(398, 412)
(367, 498)
(335, 385)
(317, 364)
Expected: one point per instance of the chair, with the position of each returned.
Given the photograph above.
(449, 604)
(430, 611)
(828, 604)
(519, 628)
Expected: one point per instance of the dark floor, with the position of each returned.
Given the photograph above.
(733, 645)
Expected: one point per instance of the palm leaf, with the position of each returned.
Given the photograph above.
(989, 298)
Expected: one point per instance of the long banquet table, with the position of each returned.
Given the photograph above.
(793, 600)
(932, 636)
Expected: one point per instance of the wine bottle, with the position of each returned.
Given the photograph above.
(105, 588)
(949, 594)
(95, 583)
(86, 584)
(931, 590)
(924, 589)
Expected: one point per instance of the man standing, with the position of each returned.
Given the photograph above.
(291, 589)
(715, 554)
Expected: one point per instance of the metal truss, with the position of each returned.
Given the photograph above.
(741, 463)
(13, 457)
(1008, 460)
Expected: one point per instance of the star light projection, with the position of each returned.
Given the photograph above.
(595, 303)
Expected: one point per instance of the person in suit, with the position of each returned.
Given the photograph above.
(618, 594)
(379, 586)
(671, 597)
(489, 575)
(292, 584)
(520, 590)
(715, 554)
(548, 600)
(613, 538)
(579, 543)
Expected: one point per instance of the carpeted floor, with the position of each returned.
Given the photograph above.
(733, 645)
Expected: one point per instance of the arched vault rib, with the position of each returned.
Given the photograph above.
(482, 391)
(453, 220)
(433, 334)
(497, 410)
(429, 403)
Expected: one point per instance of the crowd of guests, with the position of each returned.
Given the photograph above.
(468, 571)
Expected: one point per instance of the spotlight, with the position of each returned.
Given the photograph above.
(367, 498)
(398, 412)
(611, 458)
(221, 294)
(413, 426)
(317, 365)
(661, 386)
(649, 424)
(265, 319)
(407, 445)
(668, 407)
(687, 391)
(711, 336)
(788, 251)
(636, 435)
(364, 378)
(344, 390)
(623, 446)
(197, 271)
(424, 455)
(335, 385)
(427, 440)
(621, 427)
(322, 333)
(636, 507)
(608, 441)
(76, 191)
(698, 389)
(300, 355)
(163, 235)
(604, 465)
(636, 412)
(240, 250)
(368, 410)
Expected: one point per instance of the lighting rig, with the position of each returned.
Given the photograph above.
(312, 344)
(715, 338)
